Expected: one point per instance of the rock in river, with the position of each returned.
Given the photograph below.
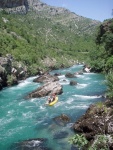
(46, 89)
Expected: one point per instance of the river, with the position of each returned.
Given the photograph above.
(22, 119)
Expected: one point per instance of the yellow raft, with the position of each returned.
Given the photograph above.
(54, 102)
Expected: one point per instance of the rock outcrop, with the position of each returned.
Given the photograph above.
(46, 78)
(23, 6)
(3, 77)
(46, 89)
(98, 120)
(11, 71)
(70, 75)
(17, 6)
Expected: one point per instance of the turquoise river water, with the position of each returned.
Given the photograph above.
(22, 119)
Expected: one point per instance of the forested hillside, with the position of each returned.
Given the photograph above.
(102, 56)
(46, 34)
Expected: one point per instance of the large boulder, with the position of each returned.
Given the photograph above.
(3, 77)
(70, 75)
(5, 70)
(19, 70)
(97, 120)
(6, 63)
(86, 69)
(72, 82)
(46, 89)
(46, 78)
(11, 71)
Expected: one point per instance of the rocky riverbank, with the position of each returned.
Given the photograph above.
(95, 123)
(11, 71)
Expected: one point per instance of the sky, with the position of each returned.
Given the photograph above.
(94, 9)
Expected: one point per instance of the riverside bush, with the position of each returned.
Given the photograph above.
(78, 140)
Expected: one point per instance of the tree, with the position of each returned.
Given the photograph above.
(109, 83)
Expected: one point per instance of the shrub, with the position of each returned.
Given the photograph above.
(100, 143)
(78, 140)
(109, 83)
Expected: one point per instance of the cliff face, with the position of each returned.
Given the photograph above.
(14, 6)
(57, 15)
(11, 3)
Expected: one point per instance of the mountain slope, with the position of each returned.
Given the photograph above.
(57, 15)
(34, 32)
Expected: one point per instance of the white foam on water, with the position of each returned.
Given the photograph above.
(65, 82)
(79, 86)
(87, 78)
(34, 142)
(80, 76)
(13, 131)
(61, 76)
(70, 100)
(10, 113)
(20, 85)
(21, 103)
(30, 107)
(88, 97)
(96, 81)
(42, 107)
(82, 106)
(69, 125)
(24, 83)
(89, 73)
(29, 114)
(76, 106)
(59, 103)
(33, 99)
(32, 78)
(5, 121)
(65, 70)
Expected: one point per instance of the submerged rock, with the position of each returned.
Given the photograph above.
(62, 120)
(31, 144)
(60, 135)
(57, 74)
(74, 148)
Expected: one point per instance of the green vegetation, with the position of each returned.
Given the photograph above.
(31, 38)
(102, 56)
(11, 80)
(78, 140)
(101, 143)
(109, 83)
